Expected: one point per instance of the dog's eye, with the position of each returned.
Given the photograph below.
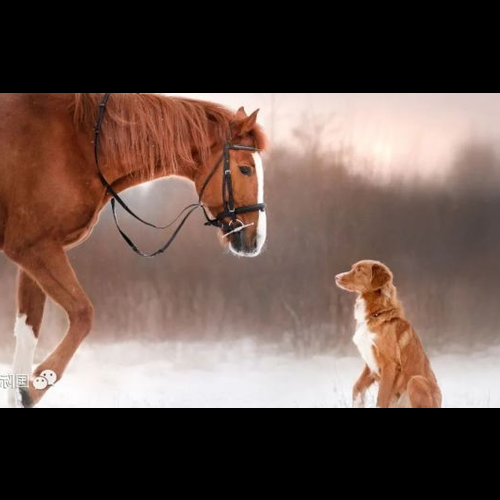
(246, 170)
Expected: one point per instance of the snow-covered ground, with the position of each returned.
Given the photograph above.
(240, 374)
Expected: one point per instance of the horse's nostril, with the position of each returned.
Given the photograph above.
(237, 241)
(244, 242)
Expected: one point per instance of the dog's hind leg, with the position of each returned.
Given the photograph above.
(422, 394)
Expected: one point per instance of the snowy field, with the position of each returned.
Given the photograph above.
(240, 374)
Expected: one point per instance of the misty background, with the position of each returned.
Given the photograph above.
(409, 179)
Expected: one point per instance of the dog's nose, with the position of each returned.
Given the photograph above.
(338, 277)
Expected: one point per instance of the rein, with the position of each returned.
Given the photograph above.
(230, 211)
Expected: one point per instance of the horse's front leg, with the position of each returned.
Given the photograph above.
(48, 264)
(30, 305)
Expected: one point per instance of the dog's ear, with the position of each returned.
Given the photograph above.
(380, 276)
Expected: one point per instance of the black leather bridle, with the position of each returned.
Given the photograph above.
(230, 211)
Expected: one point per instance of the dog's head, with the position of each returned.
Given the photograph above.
(365, 276)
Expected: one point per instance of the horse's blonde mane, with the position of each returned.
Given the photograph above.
(152, 132)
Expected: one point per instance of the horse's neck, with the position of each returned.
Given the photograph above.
(121, 179)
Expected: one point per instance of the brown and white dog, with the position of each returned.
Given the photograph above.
(390, 347)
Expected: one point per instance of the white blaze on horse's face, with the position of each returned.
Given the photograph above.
(262, 226)
(261, 230)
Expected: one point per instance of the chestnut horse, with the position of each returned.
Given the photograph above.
(51, 194)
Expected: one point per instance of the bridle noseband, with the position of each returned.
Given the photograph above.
(230, 210)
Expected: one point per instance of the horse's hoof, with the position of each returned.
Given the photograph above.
(25, 398)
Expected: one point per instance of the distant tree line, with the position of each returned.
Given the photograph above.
(442, 240)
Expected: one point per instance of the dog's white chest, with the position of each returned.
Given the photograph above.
(364, 338)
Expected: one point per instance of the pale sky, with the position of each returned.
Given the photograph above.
(398, 130)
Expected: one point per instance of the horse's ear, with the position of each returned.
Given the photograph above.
(252, 120)
(245, 124)
(241, 114)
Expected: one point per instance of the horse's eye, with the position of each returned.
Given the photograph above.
(245, 170)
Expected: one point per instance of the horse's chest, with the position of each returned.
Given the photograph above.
(79, 235)
(364, 339)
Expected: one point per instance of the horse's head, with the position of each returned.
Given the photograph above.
(231, 186)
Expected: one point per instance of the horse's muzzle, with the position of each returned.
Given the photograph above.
(244, 242)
